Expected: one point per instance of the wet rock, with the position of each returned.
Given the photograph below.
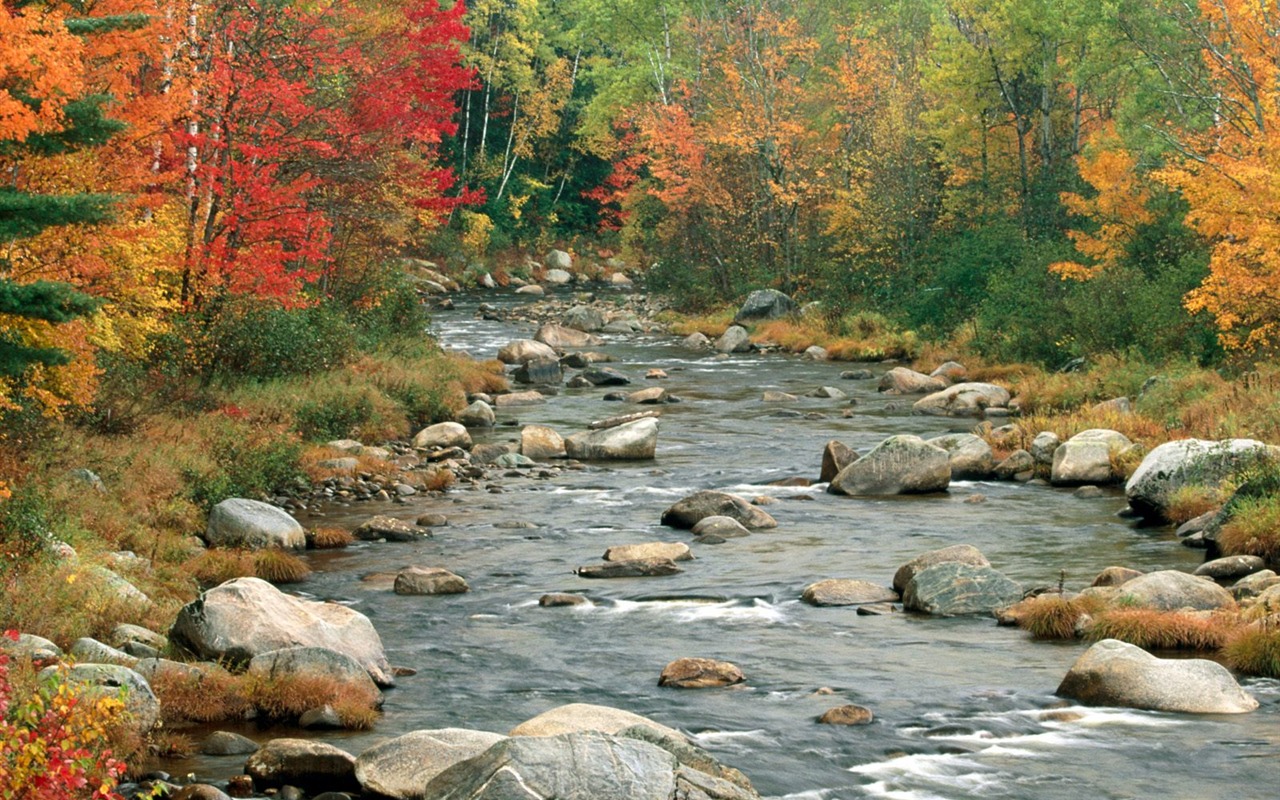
(622, 419)
(227, 743)
(876, 609)
(970, 456)
(1089, 493)
(560, 337)
(402, 767)
(700, 673)
(815, 353)
(579, 717)
(963, 400)
(605, 376)
(734, 340)
(1115, 576)
(687, 512)
(587, 319)
(844, 592)
(1086, 457)
(640, 568)
(656, 375)
(429, 580)
(719, 527)
(847, 715)
(390, 529)
(835, 457)
(1197, 524)
(654, 395)
(238, 522)
(1187, 462)
(478, 415)
(827, 393)
(857, 375)
(962, 553)
(629, 441)
(901, 380)
(540, 372)
(773, 396)
(522, 350)
(1170, 590)
(954, 589)
(765, 304)
(541, 443)
(558, 600)
(310, 765)
(442, 435)
(248, 616)
(898, 465)
(688, 755)
(674, 551)
(1114, 673)
(1017, 466)
(529, 398)
(697, 341)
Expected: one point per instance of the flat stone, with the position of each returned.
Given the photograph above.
(844, 592)
(675, 551)
(642, 568)
(700, 673)
(390, 529)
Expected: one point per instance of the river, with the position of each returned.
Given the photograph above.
(960, 704)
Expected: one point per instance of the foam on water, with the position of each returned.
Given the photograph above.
(730, 611)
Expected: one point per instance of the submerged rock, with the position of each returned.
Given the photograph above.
(689, 511)
(309, 765)
(635, 568)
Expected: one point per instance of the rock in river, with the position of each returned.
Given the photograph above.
(718, 526)
(1170, 590)
(901, 380)
(429, 580)
(1187, 462)
(734, 340)
(522, 350)
(963, 553)
(577, 717)
(700, 673)
(540, 443)
(971, 457)
(963, 400)
(676, 551)
(952, 589)
(1086, 457)
(390, 529)
(898, 465)
(631, 440)
(689, 511)
(835, 457)
(1114, 673)
(636, 568)
(844, 592)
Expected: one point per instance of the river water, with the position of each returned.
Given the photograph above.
(961, 705)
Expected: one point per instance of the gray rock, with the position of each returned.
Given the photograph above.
(1114, 673)
(688, 511)
(1116, 405)
(92, 651)
(1018, 465)
(901, 380)
(688, 755)
(558, 277)
(654, 395)
(1115, 576)
(539, 443)
(402, 767)
(248, 616)
(827, 393)
(579, 717)
(697, 341)
(629, 441)
(857, 375)
(844, 592)
(529, 398)
(765, 304)
(835, 457)
(108, 680)
(584, 318)
(970, 456)
(560, 599)
(847, 715)
(1230, 568)
(1170, 590)
(30, 648)
(961, 553)
(963, 400)
(952, 589)
(238, 522)
(700, 673)
(227, 743)
(898, 465)
(558, 260)
(317, 661)
(774, 396)
(429, 580)
(442, 436)
(532, 289)
(815, 353)
(1086, 457)
(734, 340)
(390, 529)
(348, 446)
(675, 551)
(1187, 462)
(951, 371)
(539, 371)
(325, 717)
(559, 337)
(1044, 446)
(523, 350)
(719, 526)
(605, 376)
(313, 766)
(639, 568)
(513, 461)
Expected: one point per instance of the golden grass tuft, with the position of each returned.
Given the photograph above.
(1254, 529)
(1052, 616)
(1152, 629)
(791, 334)
(212, 695)
(439, 480)
(329, 538)
(1188, 502)
(277, 566)
(712, 324)
(171, 744)
(286, 697)
(218, 565)
(1254, 650)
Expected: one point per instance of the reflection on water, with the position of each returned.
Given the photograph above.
(960, 704)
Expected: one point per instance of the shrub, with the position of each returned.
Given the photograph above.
(1253, 528)
(245, 460)
(210, 695)
(286, 697)
(336, 416)
(278, 566)
(1151, 629)
(1255, 650)
(1188, 502)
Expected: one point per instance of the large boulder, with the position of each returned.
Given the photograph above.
(898, 465)
(962, 553)
(584, 318)
(522, 350)
(1086, 458)
(539, 372)
(540, 443)
(578, 717)
(734, 340)
(692, 509)
(559, 337)
(1187, 462)
(845, 592)
(442, 436)
(1115, 673)
(963, 400)
(108, 680)
(1170, 590)
(952, 588)
(313, 766)
(400, 768)
(765, 304)
(317, 661)
(901, 380)
(237, 522)
(632, 440)
(245, 617)
(970, 456)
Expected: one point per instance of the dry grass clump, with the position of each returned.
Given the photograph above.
(792, 334)
(278, 566)
(439, 480)
(1188, 502)
(1052, 616)
(1254, 650)
(329, 538)
(171, 744)
(1254, 528)
(1152, 629)
(287, 697)
(712, 324)
(219, 565)
(210, 695)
